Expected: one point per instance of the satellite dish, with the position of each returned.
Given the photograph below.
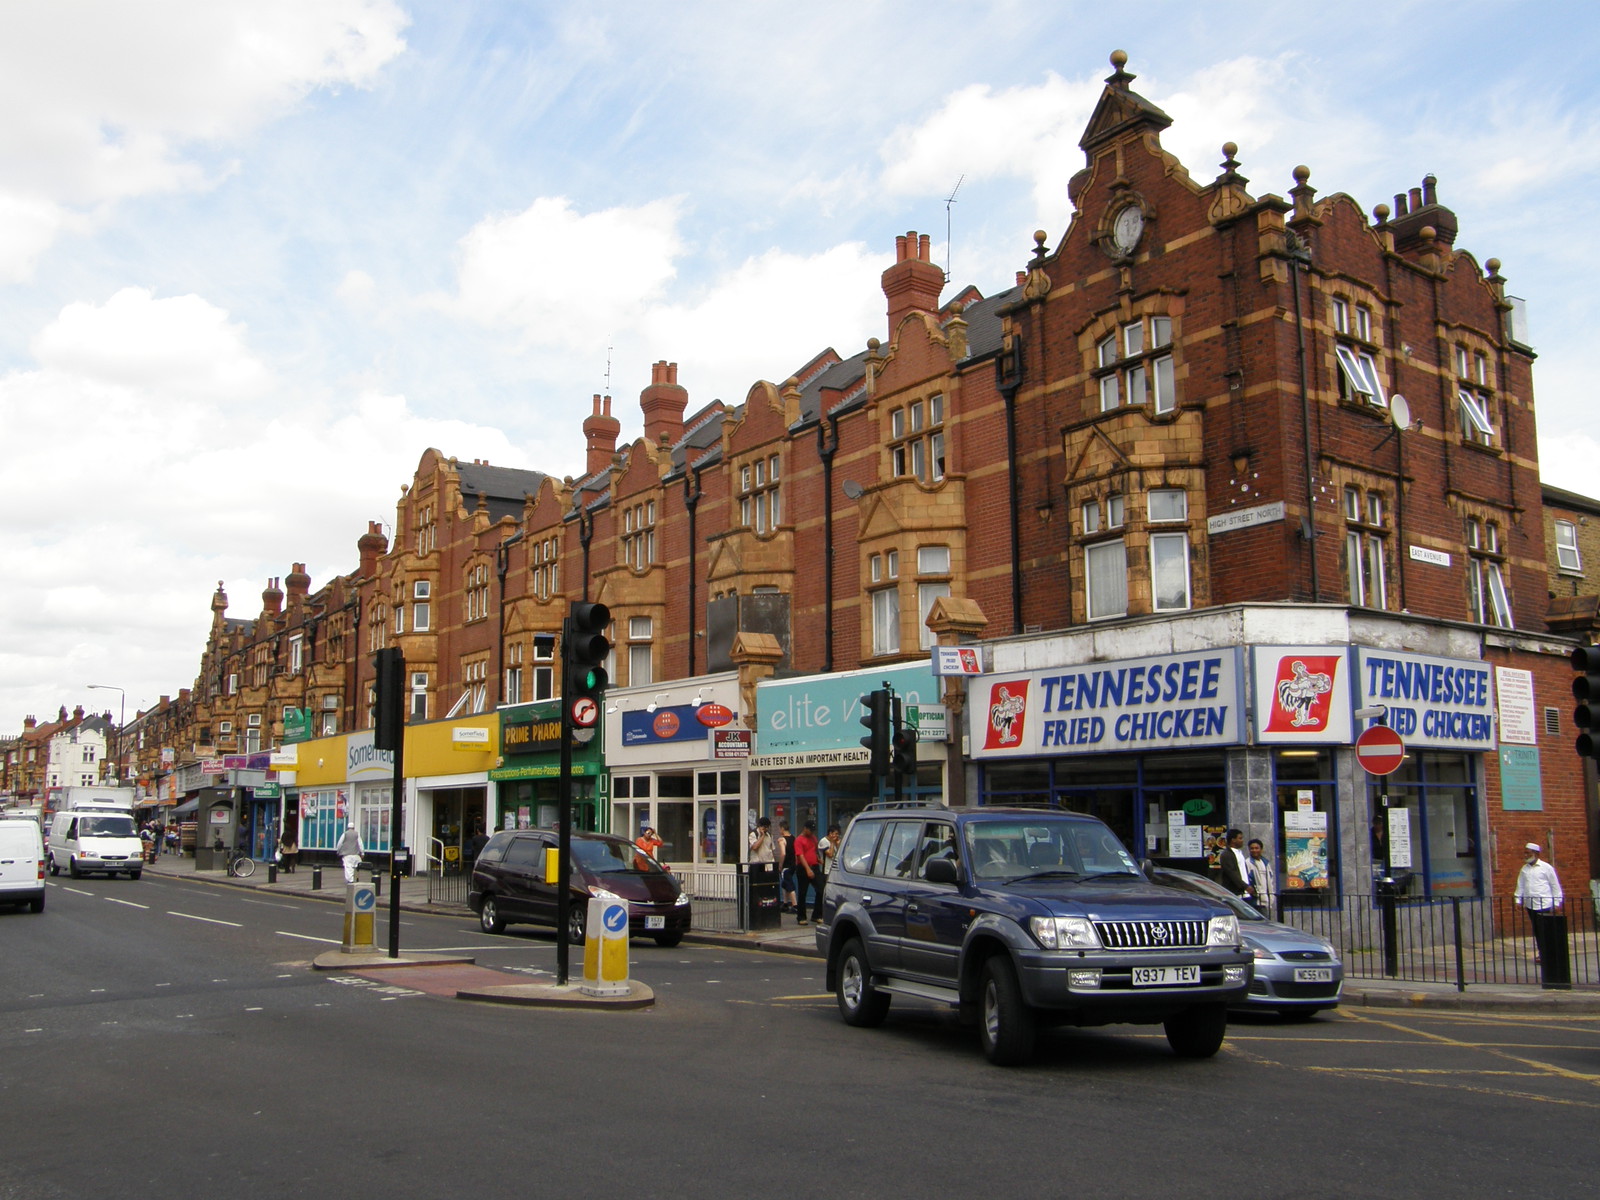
(1399, 411)
(852, 489)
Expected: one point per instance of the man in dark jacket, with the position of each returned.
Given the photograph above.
(1235, 866)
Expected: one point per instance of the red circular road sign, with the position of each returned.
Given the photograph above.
(1380, 750)
(585, 712)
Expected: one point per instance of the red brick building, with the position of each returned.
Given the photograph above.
(1182, 426)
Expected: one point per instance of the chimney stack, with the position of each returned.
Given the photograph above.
(663, 403)
(369, 546)
(600, 430)
(913, 284)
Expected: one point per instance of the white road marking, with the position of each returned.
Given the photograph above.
(129, 903)
(252, 1010)
(33, 1030)
(207, 920)
(78, 891)
(306, 937)
(459, 949)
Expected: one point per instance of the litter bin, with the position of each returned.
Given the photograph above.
(765, 908)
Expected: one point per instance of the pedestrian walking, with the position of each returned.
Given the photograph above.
(1539, 892)
(350, 852)
(1261, 878)
(805, 868)
(650, 842)
(288, 850)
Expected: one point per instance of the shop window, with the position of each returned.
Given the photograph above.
(1306, 857)
(1429, 843)
(1366, 538)
(916, 437)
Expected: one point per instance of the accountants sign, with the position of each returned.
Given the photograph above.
(1167, 702)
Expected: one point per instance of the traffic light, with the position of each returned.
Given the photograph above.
(389, 699)
(583, 652)
(875, 716)
(903, 760)
(1586, 690)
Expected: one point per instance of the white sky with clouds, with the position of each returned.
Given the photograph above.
(257, 255)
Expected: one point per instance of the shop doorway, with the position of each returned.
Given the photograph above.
(458, 815)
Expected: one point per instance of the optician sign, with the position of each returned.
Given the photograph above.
(823, 712)
(1441, 703)
(1172, 701)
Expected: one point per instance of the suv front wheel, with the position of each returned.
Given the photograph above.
(1197, 1032)
(860, 1003)
(1005, 1022)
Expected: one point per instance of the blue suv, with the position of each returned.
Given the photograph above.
(1022, 917)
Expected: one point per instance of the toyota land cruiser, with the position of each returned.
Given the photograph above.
(1022, 917)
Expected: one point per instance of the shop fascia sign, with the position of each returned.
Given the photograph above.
(1173, 701)
(1438, 703)
(1302, 694)
(821, 713)
(362, 758)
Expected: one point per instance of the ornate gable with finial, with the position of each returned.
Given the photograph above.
(1120, 111)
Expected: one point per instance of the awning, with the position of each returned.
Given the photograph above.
(187, 809)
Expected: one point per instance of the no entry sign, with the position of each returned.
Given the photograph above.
(1380, 750)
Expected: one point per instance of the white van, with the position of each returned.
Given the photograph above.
(22, 863)
(95, 840)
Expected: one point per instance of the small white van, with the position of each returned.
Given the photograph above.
(22, 863)
(95, 840)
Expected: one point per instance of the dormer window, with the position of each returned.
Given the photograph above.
(1134, 366)
(916, 435)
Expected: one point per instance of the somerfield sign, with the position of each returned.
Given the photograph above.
(1171, 701)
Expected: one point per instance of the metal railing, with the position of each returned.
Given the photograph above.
(447, 878)
(1455, 940)
(720, 899)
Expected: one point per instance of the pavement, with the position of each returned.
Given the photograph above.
(793, 939)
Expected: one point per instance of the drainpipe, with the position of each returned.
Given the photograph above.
(691, 504)
(827, 445)
(502, 566)
(1008, 378)
(1298, 255)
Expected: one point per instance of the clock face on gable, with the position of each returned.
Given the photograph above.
(1127, 228)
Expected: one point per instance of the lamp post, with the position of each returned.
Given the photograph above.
(122, 717)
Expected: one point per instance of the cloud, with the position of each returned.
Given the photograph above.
(105, 102)
(559, 277)
(168, 456)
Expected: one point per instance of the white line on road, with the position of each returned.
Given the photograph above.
(306, 937)
(129, 903)
(78, 891)
(252, 1010)
(458, 949)
(208, 920)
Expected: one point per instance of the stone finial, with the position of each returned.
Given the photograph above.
(1381, 214)
(1302, 193)
(1493, 267)
(1038, 285)
(1119, 77)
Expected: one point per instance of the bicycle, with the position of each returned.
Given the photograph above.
(239, 864)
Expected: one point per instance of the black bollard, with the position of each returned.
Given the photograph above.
(316, 879)
(272, 872)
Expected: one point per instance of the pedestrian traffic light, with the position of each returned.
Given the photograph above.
(388, 699)
(1586, 690)
(875, 716)
(903, 760)
(584, 648)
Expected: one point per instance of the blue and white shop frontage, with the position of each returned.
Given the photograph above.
(1173, 731)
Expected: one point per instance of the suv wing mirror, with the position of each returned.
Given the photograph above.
(940, 870)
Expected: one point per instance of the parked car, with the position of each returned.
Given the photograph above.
(21, 863)
(508, 885)
(1022, 917)
(1296, 973)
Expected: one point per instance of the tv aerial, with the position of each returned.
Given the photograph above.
(948, 201)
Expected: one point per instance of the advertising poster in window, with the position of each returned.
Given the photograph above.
(1305, 851)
